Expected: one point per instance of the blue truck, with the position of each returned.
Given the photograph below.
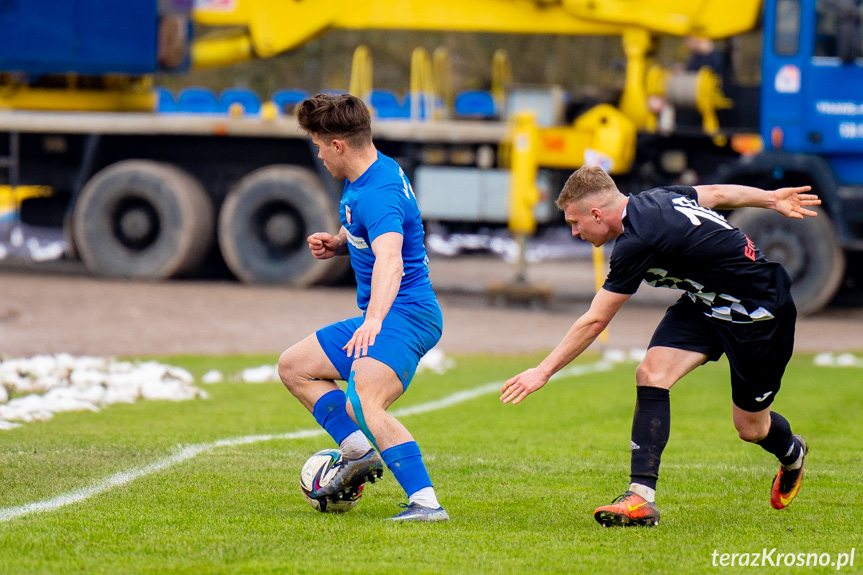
(811, 123)
(153, 195)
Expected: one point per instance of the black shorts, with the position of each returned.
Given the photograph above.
(757, 352)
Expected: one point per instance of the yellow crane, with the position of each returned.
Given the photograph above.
(264, 28)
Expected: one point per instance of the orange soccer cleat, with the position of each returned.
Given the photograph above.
(787, 482)
(627, 510)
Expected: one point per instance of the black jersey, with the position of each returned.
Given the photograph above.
(669, 240)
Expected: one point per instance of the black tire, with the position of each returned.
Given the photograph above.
(143, 219)
(264, 223)
(808, 250)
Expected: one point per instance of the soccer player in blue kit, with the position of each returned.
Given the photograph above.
(376, 353)
(735, 302)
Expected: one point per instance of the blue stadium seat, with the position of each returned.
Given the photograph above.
(165, 100)
(475, 104)
(286, 99)
(386, 105)
(247, 98)
(197, 100)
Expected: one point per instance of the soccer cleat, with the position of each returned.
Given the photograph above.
(787, 482)
(627, 510)
(351, 475)
(416, 512)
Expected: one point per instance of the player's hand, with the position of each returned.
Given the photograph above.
(323, 245)
(522, 385)
(363, 338)
(790, 202)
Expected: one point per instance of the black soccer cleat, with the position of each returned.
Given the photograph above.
(351, 475)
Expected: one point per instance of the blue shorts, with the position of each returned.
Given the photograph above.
(409, 331)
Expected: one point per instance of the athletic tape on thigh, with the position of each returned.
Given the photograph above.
(358, 409)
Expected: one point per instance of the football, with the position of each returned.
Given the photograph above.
(317, 472)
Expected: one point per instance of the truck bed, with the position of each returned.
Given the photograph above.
(461, 131)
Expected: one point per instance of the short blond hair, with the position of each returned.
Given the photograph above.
(584, 183)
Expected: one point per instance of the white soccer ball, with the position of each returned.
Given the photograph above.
(318, 470)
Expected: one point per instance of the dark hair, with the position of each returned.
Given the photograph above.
(585, 182)
(336, 116)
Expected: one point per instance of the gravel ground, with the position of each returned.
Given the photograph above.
(59, 308)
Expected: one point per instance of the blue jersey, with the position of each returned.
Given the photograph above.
(381, 201)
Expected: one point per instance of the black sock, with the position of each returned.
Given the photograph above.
(780, 441)
(651, 426)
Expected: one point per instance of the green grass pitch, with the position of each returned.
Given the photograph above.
(520, 482)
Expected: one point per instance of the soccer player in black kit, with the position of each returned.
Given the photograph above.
(734, 302)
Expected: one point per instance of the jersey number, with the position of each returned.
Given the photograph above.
(696, 213)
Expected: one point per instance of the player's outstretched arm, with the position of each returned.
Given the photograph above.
(324, 245)
(790, 202)
(586, 329)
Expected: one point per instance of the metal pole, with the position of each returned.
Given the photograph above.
(521, 262)
(14, 150)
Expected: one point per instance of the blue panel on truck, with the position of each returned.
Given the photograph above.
(834, 112)
(807, 91)
(782, 96)
(81, 36)
(118, 36)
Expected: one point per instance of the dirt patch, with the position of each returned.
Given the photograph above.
(52, 309)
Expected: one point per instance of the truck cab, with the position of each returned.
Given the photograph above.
(811, 122)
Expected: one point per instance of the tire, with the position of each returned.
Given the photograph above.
(264, 223)
(807, 249)
(143, 219)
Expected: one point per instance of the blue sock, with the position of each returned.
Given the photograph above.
(406, 463)
(330, 413)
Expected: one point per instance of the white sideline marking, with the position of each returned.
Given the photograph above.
(123, 477)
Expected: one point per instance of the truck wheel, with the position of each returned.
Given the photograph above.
(807, 249)
(264, 223)
(143, 219)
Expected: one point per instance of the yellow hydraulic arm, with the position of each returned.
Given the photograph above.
(264, 28)
(275, 26)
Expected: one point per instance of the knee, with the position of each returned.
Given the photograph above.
(360, 403)
(751, 433)
(752, 429)
(363, 402)
(288, 370)
(647, 375)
